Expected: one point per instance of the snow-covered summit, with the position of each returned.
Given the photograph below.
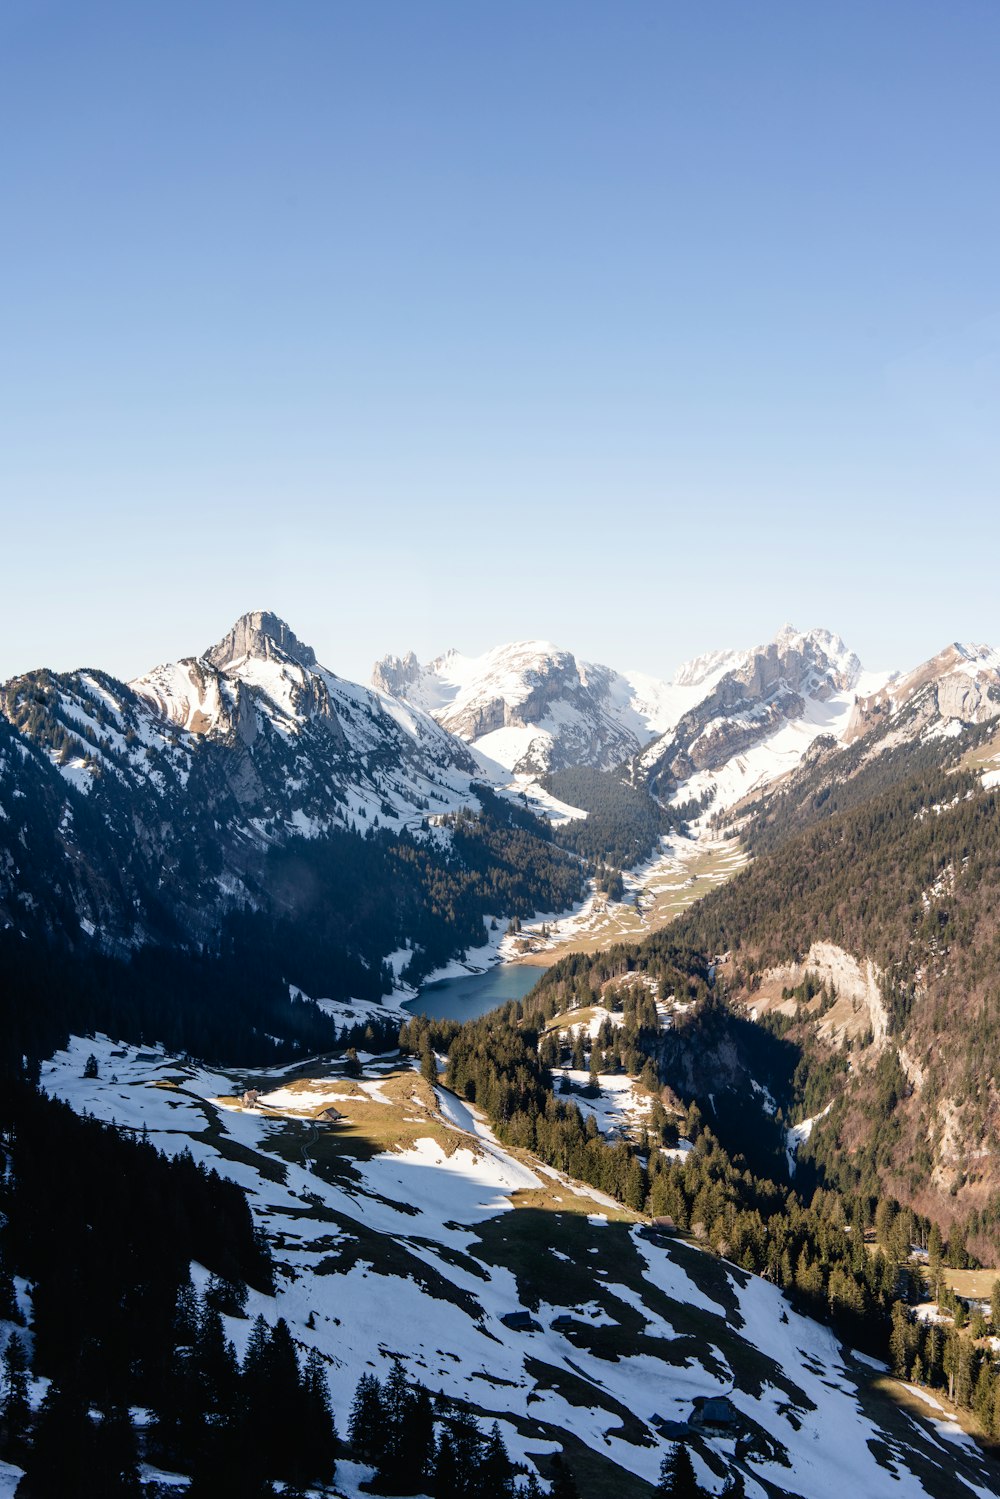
(531, 706)
(260, 679)
(758, 713)
(957, 688)
(708, 668)
(193, 771)
(824, 648)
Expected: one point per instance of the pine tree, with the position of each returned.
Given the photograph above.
(677, 1478)
(9, 1309)
(114, 1470)
(365, 1424)
(445, 1481)
(467, 1444)
(62, 1450)
(215, 1363)
(496, 1473)
(285, 1422)
(982, 1395)
(15, 1407)
(393, 1467)
(319, 1432)
(899, 1340)
(418, 1435)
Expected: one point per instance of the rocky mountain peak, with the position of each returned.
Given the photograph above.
(822, 650)
(394, 674)
(260, 635)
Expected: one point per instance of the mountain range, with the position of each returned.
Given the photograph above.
(494, 1208)
(145, 810)
(726, 724)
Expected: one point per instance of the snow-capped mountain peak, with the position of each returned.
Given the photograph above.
(758, 712)
(708, 668)
(960, 686)
(824, 648)
(531, 706)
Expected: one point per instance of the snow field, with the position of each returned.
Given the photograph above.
(418, 1253)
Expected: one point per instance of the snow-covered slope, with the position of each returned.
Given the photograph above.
(726, 722)
(407, 1231)
(346, 747)
(760, 713)
(531, 707)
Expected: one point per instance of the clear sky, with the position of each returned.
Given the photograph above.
(643, 328)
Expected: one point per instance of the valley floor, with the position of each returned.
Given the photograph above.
(655, 893)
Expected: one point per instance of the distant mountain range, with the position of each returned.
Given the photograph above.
(143, 811)
(726, 725)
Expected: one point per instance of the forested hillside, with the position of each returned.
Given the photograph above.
(624, 823)
(328, 911)
(894, 860)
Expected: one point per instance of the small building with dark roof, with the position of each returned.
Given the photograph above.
(716, 1417)
(520, 1322)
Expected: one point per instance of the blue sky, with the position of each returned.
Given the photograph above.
(642, 328)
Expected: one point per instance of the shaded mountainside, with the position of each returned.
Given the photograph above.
(256, 813)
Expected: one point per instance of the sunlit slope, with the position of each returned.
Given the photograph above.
(403, 1229)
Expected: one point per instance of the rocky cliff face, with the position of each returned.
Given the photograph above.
(532, 707)
(787, 681)
(958, 686)
(262, 635)
(393, 675)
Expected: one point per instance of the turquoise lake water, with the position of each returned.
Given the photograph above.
(475, 994)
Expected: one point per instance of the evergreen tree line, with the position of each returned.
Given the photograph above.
(232, 1427)
(952, 1358)
(417, 1445)
(761, 1224)
(416, 1448)
(624, 823)
(877, 1129)
(103, 1228)
(677, 1478)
